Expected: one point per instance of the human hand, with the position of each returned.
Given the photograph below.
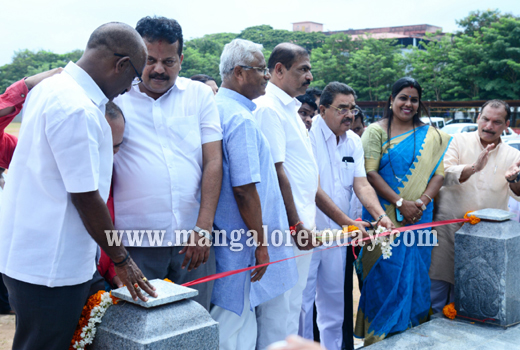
(34, 80)
(411, 213)
(294, 342)
(116, 281)
(387, 223)
(483, 157)
(305, 239)
(262, 257)
(513, 171)
(197, 250)
(132, 277)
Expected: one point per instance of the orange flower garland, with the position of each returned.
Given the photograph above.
(472, 219)
(94, 301)
(449, 311)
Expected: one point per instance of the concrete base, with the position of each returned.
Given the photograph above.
(183, 325)
(443, 333)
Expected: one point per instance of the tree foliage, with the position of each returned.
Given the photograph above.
(481, 61)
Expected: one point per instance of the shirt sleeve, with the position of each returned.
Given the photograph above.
(210, 128)
(372, 140)
(452, 168)
(75, 140)
(359, 160)
(273, 130)
(243, 153)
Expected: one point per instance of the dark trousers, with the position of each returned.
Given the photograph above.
(4, 299)
(166, 262)
(348, 322)
(45, 317)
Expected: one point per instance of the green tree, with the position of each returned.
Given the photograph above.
(501, 41)
(26, 63)
(330, 62)
(374, 68)
(430, 67)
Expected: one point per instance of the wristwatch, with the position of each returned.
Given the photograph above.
(399, 203)
(203, 233)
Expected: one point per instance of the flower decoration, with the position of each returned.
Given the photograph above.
(91, 315)
(449, 311)
(473, 220)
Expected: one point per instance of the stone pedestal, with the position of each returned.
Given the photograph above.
(162, 323)
(487, 270)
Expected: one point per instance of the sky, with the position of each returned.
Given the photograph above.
(65, 25)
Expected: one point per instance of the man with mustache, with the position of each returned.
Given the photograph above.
(168, 172)
(480, 171)
(277, 116)
(339, 154)
(60, 175)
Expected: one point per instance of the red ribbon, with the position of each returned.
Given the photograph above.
(400, 229)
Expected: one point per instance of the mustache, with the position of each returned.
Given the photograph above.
(489, 131)
(307, 83)
(347, 119)
(159, 76)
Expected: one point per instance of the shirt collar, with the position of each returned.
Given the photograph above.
(327, 132)
(87, 83)
(236, 97)
(282, 95)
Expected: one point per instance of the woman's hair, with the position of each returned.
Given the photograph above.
(396, 89)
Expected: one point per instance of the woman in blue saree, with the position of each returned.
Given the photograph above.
(404, 163)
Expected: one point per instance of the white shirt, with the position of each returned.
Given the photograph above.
(65, 146)
(158, 169)
(337, 170)
(277, 116)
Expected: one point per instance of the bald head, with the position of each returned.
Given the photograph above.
(114, 57)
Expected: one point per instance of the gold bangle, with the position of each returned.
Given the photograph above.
(430, 198)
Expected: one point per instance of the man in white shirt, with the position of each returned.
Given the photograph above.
(168, 172)
(339, 154)
(53, 210)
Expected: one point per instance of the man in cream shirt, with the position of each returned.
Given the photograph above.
(480, 171)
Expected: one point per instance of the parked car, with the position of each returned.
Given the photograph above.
(515, 143)
(459, 128)
(458, 121)
(509, 134)
(435, 121)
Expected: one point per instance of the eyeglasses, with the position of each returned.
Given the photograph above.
(263, 70)
(343, 111)
(137, 79)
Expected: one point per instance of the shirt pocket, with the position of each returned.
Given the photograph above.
(346, 175)
(184, 133)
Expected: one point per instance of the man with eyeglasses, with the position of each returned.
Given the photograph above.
(53, 210)
(168, 172)
(339, 154)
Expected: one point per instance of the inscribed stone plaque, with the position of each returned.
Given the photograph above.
(487, 272)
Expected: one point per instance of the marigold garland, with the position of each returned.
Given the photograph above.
(92, 313)
(473, 220)
(449, 311)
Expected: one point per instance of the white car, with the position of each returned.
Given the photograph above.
(435, 121)
(458, 128)
(509, 134)
(515, 143)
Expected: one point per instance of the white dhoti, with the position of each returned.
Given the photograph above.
(325, 284)
(236, 332)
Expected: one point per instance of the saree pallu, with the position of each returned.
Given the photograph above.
(396, 291)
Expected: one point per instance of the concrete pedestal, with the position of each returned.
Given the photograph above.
(158, 324)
